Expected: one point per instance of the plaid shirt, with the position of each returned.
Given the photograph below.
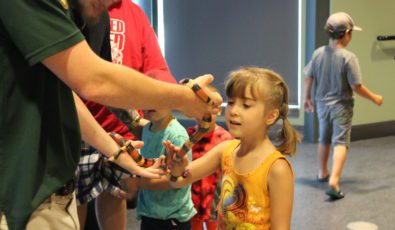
(96, 176)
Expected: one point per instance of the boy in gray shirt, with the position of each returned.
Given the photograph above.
(336, 74)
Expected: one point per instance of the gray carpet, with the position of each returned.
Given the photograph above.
(368, 181)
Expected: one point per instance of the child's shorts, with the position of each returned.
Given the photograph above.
(335, 123)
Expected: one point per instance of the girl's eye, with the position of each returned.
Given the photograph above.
(230, 102)
(246, 106)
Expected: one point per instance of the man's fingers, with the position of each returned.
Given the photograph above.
(216, 101)
(138, 144)
(204, 80)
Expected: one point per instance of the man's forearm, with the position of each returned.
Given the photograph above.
(118, 86)
(92, 132)
(123, 87)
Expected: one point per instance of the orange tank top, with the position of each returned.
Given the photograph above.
(245, 202)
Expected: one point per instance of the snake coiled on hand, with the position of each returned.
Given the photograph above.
(203, 127)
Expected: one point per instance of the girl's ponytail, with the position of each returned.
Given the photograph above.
(288, 138)
(287, 135)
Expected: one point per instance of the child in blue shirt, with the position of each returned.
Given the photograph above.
(167, 209)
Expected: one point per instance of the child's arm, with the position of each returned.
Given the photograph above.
(308, 102)
(134, 184)
(281, 189)
(363, 91)
(201, 167)
(129, 186)
(197, 169)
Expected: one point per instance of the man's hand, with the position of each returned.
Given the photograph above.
(125, 161)
(197, 108)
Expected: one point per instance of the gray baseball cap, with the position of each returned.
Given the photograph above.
(340, 22)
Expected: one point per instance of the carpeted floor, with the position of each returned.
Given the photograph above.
(368, 182)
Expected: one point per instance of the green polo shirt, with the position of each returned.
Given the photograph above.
(39, 133)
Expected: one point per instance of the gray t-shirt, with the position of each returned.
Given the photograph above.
(334, 71)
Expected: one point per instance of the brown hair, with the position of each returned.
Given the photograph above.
(269, 86)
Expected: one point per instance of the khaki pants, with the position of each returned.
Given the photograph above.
(56, 212)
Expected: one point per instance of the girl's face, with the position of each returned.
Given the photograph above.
(245, 116)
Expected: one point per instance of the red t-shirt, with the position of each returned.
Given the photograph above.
(133, 44)
(204, 189)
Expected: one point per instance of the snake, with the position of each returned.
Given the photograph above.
(203, 127)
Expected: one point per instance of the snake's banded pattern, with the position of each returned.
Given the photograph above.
(203, 127)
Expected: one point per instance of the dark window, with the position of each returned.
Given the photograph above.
(205, 36)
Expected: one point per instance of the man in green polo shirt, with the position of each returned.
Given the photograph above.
(42, 55)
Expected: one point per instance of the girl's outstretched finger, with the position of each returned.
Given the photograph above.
(160, 161)
(160, 165)
(167, 148)
(170, 148)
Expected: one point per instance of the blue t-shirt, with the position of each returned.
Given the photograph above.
(167, 204)
(334, 71)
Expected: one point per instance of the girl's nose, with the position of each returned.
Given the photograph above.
(232, 110)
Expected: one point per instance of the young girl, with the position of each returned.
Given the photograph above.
(257, 180)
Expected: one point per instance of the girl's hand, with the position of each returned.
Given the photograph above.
(176, 168)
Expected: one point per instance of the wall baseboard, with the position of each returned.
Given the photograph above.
(365, 131)
(358, 132)
(373, 130)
